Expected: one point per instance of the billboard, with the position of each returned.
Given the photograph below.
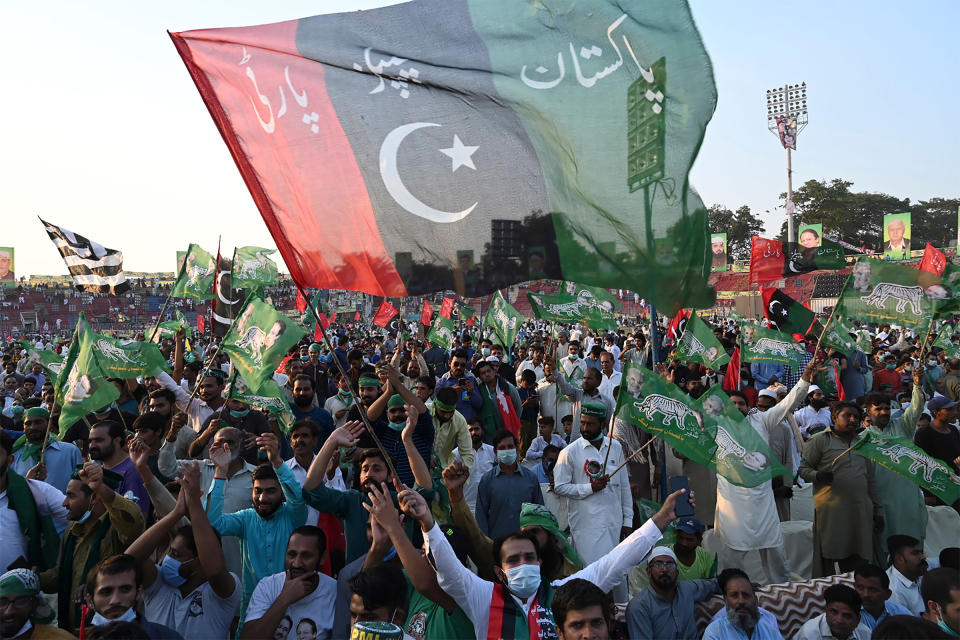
(896, 236)
(718, 243)
(810, 235)
(7, 276)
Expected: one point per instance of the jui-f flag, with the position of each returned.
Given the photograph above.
(443, 144)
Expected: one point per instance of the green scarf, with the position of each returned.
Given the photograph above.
(30, 450)
(490, 418)
(508, 622)
(43, 540)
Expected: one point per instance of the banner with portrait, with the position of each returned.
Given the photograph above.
(718, 242)
(810, 235)
(7, 276)
(896, 236)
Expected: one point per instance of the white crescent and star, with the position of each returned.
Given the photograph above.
(460, 155)
(220, 289)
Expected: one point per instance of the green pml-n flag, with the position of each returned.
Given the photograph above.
(84, 386)
(258, 340)
(253, 267)
(195, 279)
(883, 292)
(758, 344)
(445, 144)
(837, 334)
(128, 359)
(169, 328)
(698, 344)
(50, 361)
(442, 332)
(588, 295)
(742, 456)
(901, 456)
(569, 309)
(270, 397)
(944, 342)
(504, 319)
(659, 407)
(467, 313)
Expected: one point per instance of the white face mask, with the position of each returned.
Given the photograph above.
(128, 616)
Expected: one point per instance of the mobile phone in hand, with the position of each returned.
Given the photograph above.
(682, 508)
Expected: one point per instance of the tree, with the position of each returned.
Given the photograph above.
(739, 226)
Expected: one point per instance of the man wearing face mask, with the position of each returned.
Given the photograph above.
(519, 603)
(104, 523)
(208, 400)
(600, 506)
(339, 404)
(940, 591)
(191, 591)
(504, 488)
(111, 595)
(60, 457)
(888, 375)
(573, 365)
(237, 414)
(815, 416)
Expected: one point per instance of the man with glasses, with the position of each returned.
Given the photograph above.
(665, 608)
(23, 611)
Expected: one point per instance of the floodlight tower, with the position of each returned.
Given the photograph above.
(786, 118)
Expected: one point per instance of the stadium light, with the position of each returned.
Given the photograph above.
(786, 118)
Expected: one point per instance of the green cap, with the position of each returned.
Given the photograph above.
(19, 582)
(537, 515)
(596, 409)
(396, 400)
(36, 412)
(314, 348)
(366, 381)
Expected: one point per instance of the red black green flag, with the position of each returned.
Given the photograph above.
(784, 313)
(468, 145)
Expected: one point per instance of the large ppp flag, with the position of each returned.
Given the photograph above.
(443, 144)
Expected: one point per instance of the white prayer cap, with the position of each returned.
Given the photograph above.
(662, 551)
(769, 393)
(812, 388)
(492, 359)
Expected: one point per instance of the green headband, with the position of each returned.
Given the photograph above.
(595, 409)
(443, 406)
(537, 515)
(36, 412)
(396, 400)
(369, 382)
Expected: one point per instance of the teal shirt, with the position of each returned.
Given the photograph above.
(263, 543)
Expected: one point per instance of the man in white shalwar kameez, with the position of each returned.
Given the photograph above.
(600, 507)
(746, 517)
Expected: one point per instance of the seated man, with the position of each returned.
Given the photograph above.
(741, 614)
(941, 593)
(300, 593)
(665, 608)
(840, 620)
(873, 586)
(693, 561)
(582, 610)
(908, 563)
(23, 611)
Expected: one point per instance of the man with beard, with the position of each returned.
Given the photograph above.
(815, 416)
(208, 400)
(299, 592)
(318, 373)
(469, 400)
(237, 414)
(589, 392)
(908, 563)
(163, 401)
(740, 614)
(79, 433)
(840, 619)
(484, 458)
(304, 406)
(374, 470)
(277, 510)
(104, 523)
(600, 506)
(112, 591)
(23, 611)
(293, 367)
(665, 608)
(904, 511)
(59, 460)
(450, 429)
(107, 440)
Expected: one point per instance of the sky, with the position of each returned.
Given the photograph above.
(106, 135)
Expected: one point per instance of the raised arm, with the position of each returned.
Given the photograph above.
(345, 436)
(144, 546)
(228, 524)
(408, 396)
(776, 414)
(421, 473)
(917, 404)
(209, 551)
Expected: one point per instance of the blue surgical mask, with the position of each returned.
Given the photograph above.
(891, 367)
(397, 426)
(170, 572)
(598, 437)
(523, 580)
(943, 625)
(485, 351)
(304, 358)
(128, 616)
(574, 356)
(507, 456)
(239, 414)
(85, 516)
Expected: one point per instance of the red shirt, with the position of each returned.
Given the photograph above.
(887, 376)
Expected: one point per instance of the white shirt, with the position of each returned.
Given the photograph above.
(201, 614)
(484, 459)
(317, 607)
(474, 594)
(808, 418)
(553, 404)
(528, 364)
(49, 501)
(818, 629)
(198, 410)
(336, 482)
(905, 592)
(608, 384)
(574, 369)
(334, 404)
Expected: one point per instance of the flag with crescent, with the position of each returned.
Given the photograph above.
(784, 313)
(772, 259)
(384, 314)
(443, 145)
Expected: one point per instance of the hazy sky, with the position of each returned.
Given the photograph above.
(105, 133)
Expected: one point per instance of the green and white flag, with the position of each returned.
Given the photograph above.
(592, 296)
(84, 388)
(258, 340)
(758, 344)
(252, 267)
(442, 332)
(659, 407)
(195, 279)
(504, 319)
(944, 341)
(698, 344)
(169, 328)
(270, 397)
(742, 456)
(837, 334)
(570, 309)
(883, 292)
(903, 457)
(50, 361)
(128, 360)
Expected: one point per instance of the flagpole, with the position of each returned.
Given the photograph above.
(356, 401)
(632, 456)
(46, 438)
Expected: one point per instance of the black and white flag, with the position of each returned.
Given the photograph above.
(94, 267)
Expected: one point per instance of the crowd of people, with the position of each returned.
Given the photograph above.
(478, 491)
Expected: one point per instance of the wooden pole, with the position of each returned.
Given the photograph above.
(633, 455)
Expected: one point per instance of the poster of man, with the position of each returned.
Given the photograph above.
(896, 236)
(7, 277)
(811, 235)
(718, 242)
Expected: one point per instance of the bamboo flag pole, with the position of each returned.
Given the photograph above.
(633, 455)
